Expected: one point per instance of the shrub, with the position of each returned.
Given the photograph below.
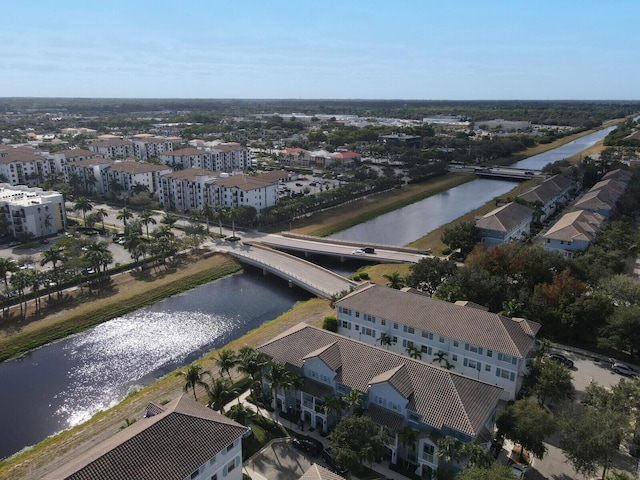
(330, 323)
(446, 251)
(364, 276)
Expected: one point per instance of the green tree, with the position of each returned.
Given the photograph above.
(589, 437)
(495, 471)
(449, 450)
(429, 273)
(194, 376)
(207, 212)
(7, 266)
(356, 441)
(84, 205)
(407, 437)
(279, 377)
(146, 218)
(219, 393)
(169, 219)
(330, 323)
(442, 357)
(622, 331)
(124, 215)
(226, 361)
(241, 414)
(101, 214)
(395, 280)
(385, 340)
(250, 363)
(528, 424)
(476, 454)
(549, 381)
(413, 352)
(353, 401)
(463, 235)
(221, 214)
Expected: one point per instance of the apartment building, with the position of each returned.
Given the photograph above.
(124, 175)
(235, 191)
(548, 195)
(113, 148)
(149, 146)
(20, 165)
(180, 440)
(466, 337)
(573, 232)
(186, 189)
(395, 390)
(32, 210)
(505, 224)
(90, 173)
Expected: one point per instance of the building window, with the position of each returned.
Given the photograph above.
(383, 322)
(441, 339)
(454, 357)
(427, 335)
(425, 349)
(473, 348)
(487, 368)
(472, 364)
(395, 325)
(357, 314)
(489, 353)
(195, 474)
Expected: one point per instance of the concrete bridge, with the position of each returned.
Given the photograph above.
(317, 280)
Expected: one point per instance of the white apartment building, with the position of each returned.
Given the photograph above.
(180, 440)
(20, 165)
(573, 232)
(32, 210)
(90, 174)
(113, 148)
(505, 224)
(474, 342)
(186, 189)
(129, 174)
(256, 191)
(190, 158)
(152, 147)
(395, 390)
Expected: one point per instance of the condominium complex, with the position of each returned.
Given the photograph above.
(31, 210)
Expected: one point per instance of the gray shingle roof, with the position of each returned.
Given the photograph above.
(465, 324)
(504, 218)
(578, 225)
(316, 472)
(169, 445)
(441, 397)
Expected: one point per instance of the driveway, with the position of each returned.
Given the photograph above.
(279, 460)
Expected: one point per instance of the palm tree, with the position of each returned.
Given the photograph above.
(84, 205)
(7, 265)
(414, 352)
(206, 212)
(250, 362)
(100, 214)
(477, 454)
(124, 215)
(334, 404)
(278, 377)
(99, 255)
(225, 361)
(221, 389)
(20, 281)
(407, 437)
(193, 377)
(544, 346)
(146, 218)
(442, 357)
(53, 255)
(241, 414)
(395, 280)
(449, 450)
(353, 401)
(221, 213)
(385, 340)
(169, 219)
(511, 308)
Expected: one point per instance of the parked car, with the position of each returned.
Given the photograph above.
(331, 463)
(299, 185)
(518, 471)
(623, 369)
(358, 252)
(561, 359)
(308, 445)
(368, 249)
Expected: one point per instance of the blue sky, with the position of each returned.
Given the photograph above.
(369, 49)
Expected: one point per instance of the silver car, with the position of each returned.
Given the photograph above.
(623, 369)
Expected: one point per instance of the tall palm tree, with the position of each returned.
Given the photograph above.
(99, 255)
(395, 280)
(449, 450)
(278, 377)
(206, 212)
(440, 358)
(221, 214)
(101, 213)
(407, 437)
(225, 361)
(250, 363)
(334, 404)
(20, 281)
(124, 215)
(193, 376)
(7, 265)
(146, 218)
(221, 389)
(84, 205)
(53, 255)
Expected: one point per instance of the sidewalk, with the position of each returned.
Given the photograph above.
(381, 468)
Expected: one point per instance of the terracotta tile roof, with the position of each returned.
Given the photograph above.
(441, 397)
(316, 472)
(578, 225)
(112, 142)
(346, 155)
(170, 444)
(504, 218)
(190, 174)
(76, 152)
(137, 167)
(90, 162)
(465, 324)
(244, 182)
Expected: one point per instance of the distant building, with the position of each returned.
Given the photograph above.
(180, 440)
(32, 210)
(126, 175)
(20, 165)
(400, 139)
(505, 224)
(221, 158)
(548, 195)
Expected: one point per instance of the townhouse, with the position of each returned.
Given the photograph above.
(507, 223)
(125, 175)
(31, 210)
(548, 195)
(180, 440)
(602, 197)
(573, 232)
(395, 390)
(464, 337)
